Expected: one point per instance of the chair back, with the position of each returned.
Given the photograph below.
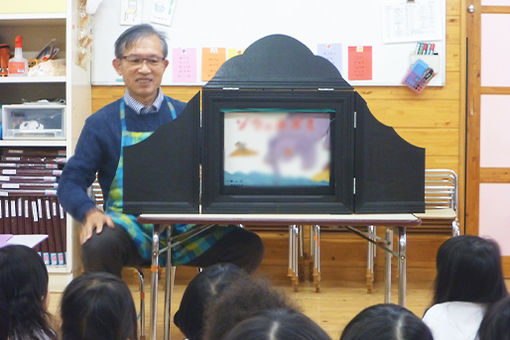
(441, 189)
(96, 194)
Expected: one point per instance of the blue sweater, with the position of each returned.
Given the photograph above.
(98, 150)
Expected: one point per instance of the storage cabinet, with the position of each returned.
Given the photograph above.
(37, 26)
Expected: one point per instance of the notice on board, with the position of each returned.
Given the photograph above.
(212, 59)
(413, 21)
(360, 63)
(332, 52)
(184, 65)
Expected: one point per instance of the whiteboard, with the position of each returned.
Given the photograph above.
(236, 24)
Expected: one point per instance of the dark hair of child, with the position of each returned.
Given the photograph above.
(386, 322)
(206, 285)
(496, 322)
(244, 298)
(23, 294)
(469, 269)
(98, 306)
(279, 324)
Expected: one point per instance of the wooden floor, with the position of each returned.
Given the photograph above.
(332, 308)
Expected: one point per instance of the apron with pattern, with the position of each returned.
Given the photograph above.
(141, 234)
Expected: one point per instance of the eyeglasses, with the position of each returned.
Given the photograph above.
(137, 61)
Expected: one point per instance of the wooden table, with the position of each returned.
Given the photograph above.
(398, 222)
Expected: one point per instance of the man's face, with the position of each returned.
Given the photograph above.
(142, 67)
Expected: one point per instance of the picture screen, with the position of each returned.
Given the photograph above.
(277, 147)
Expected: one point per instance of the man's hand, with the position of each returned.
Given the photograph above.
(94, 219)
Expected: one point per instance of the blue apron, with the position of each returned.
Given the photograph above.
(142, 233)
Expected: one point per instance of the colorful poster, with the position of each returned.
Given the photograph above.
(162, 12)
(232, 52)
(276, 148)
(332, 52)
(212, 59)
(360, 63)
(184, 65)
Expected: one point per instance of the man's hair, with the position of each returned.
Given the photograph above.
(136, 33)
(98, 306)
(469, 269)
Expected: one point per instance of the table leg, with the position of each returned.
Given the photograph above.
(316, 257)
(293, 257)
(168, 284)
(387, 265)
(402, 265)
(369, 277)
(290, 270)
(154, 282)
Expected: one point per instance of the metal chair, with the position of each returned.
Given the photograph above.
(441, 199)
(441, 204)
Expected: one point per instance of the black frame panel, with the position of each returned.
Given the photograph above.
(161, 174)
(336, 199)
(390, 172)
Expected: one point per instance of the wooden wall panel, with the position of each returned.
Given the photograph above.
(396, 114)
(438, 142)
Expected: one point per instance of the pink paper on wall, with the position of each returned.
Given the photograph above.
(495, 50)
(495, 215)
(360, 63)
(184, 65)
(494, 136)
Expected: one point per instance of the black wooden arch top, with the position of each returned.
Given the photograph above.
(278, 62)
(370, 168)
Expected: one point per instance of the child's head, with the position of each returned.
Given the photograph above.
(244, 298)
(206, 285)
(386, 322)
(279, 324)
(98, 306)
(23, 293)
(469, 269)
(496, 322)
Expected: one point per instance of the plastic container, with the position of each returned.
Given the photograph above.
(33, 121)
(18, 66)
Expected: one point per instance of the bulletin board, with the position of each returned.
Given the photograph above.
(372, 42)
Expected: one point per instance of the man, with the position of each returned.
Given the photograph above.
(111, 239)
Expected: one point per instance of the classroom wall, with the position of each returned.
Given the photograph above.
(433, 119)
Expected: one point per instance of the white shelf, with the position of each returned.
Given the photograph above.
(58, 280)
(37, 142)
(26, 80)
(37, 29)
(27, 18)
(58, 269)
